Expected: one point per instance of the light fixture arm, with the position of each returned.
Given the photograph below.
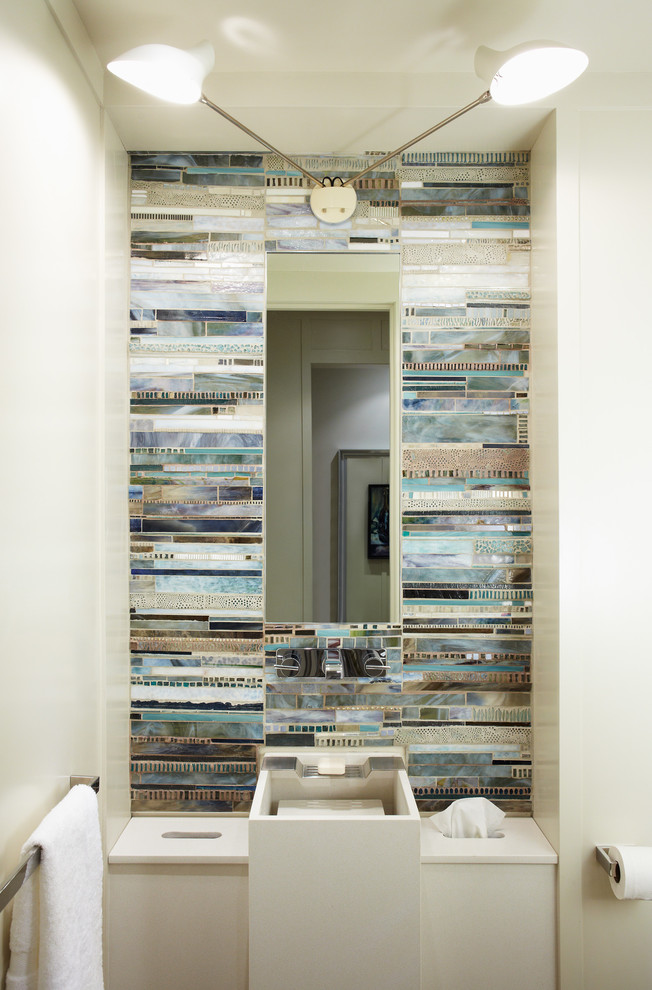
(313, 178)
(485, 98)
(529, 71)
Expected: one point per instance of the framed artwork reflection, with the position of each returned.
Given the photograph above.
(378, 522)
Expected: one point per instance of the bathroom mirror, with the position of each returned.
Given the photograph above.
(332, 368)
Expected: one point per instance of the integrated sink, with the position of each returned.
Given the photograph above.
(325, 778)
(334, 871)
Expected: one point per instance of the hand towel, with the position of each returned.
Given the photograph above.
(470, 818)
(56, 928)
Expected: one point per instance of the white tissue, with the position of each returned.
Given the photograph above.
(470, 818)
(635, 863)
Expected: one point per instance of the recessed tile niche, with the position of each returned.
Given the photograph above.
(457, 691)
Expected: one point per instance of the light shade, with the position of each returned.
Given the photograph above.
(530, 71)
(172, 74)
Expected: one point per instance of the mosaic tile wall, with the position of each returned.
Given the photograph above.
(457, 692)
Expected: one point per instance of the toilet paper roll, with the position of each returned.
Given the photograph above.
(635, 863)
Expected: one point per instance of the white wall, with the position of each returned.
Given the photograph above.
(615, 217)
(545, 473)
(114, 536)
(602, 218)
(55, 515)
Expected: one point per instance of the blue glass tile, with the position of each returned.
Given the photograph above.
(442, 548)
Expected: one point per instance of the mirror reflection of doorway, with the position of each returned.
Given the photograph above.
(363, 535)
(327, 389)
(350, 405)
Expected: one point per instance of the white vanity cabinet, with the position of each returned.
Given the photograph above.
(178, 909)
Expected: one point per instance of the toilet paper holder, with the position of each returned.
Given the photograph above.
(607, 863)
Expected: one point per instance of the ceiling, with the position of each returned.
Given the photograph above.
(349, 78)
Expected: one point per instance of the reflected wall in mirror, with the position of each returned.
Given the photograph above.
(329, 375)
(363, 519)
(327, 390)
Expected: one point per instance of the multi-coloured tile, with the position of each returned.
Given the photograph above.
(457, 690)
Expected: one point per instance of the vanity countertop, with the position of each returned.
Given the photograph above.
(142, 841)
(523, 842)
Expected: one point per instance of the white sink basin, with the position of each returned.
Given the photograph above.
(334, 872)
(330, 807)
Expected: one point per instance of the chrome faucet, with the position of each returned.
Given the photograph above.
(332, 663)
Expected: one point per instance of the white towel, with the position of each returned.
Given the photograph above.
(470, 818)
(56, 928)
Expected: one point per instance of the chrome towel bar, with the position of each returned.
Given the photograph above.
(11, 886)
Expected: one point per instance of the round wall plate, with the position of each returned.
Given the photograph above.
(333, 204)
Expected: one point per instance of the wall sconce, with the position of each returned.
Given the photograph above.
(523, 74)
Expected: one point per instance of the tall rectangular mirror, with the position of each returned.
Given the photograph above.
(332, 386)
